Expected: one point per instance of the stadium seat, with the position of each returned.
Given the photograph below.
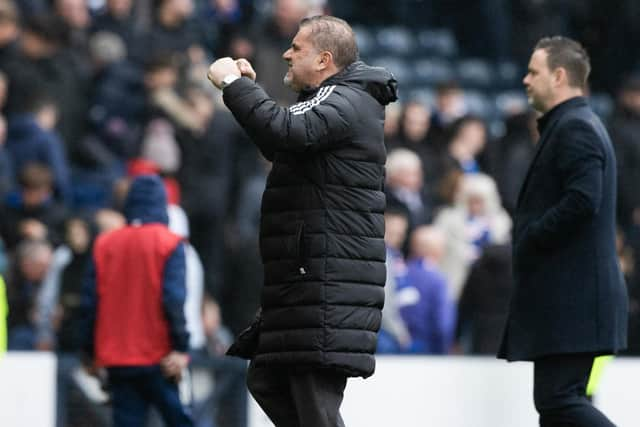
(432, 71)
(424, 95)
(475, 73)
(366, 42)
(400, 69)
(478, 103)
(437, 42)
(511, 102)
(508, 75)
(395, 40)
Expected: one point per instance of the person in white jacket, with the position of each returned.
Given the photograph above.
(476, 219)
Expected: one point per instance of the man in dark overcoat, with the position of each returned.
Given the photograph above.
(569, 303)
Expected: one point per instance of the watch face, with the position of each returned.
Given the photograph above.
(228, 80)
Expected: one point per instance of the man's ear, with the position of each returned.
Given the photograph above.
(325, 59)
(560, 76)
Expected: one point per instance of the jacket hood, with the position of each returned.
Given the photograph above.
(146, 201)
(377, 81)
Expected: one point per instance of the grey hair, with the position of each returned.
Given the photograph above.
(334, 35)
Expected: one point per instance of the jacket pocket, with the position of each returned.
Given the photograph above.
(300, 249)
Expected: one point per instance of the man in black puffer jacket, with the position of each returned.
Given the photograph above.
(322, 224)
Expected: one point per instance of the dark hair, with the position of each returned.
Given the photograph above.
(50, 28)
(36, 176)
(159, 61)
(334, 35)
(562, 52)
(34, 101)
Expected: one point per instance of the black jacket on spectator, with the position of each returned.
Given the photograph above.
(625, 129)
(483, 306)
(322, 225)
(570, 295)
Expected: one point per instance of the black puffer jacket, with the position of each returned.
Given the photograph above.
(322, 224)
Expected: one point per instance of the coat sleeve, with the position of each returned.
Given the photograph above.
(173, 298)
(580, 161)
(315, 124)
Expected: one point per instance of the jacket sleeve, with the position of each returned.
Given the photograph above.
(173, 298)
(89, 305)
(580, 162)
(311, 125)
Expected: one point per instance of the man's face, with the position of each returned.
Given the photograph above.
(302, 58)
(539, 81)
(119, 7)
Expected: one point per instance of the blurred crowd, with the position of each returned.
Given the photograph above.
(93, 93)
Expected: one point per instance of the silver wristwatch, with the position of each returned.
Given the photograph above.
(228, 79)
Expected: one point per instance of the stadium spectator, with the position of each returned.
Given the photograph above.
(450, 106)
(32, 138)
(516, 151)
(405, 188)
(394, 336)
(33, 259)
(423, 298)
(32, 212)
(226, 404)
(58, 312)
(75, 13)
(7, 176)
(9, 31)
(174, 30)
(476, 220)
(273, 38)
(468, 138)
(628, 265)
(484, 303)
(625, 128)
(117, 18)
(392, 114)
(141, 339)
(45, 68)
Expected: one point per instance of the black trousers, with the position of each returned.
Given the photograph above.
(298, 399)
(559, 392)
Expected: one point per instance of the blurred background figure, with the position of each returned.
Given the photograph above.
(405, 186)
(225, 404)
(31, 138)
(475, 221)
(423, 299)
(31, 212)
(33, 261)
(484, 303)
(394, 337)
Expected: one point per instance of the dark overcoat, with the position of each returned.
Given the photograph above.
(322, 223)
(569, 294)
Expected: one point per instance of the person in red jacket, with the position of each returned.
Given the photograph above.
(133, 300)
